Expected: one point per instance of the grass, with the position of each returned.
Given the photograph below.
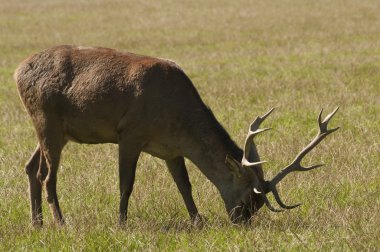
(244, 57)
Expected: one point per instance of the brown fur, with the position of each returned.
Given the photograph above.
(99, 95)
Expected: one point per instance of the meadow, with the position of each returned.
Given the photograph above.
(244, 57)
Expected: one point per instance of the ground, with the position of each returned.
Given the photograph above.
(243, 57)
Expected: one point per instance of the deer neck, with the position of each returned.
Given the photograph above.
(209, 147)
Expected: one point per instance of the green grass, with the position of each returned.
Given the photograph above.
(244, 57)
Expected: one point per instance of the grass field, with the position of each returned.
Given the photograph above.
(244, 57)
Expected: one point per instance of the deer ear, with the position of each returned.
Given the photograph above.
(234, 166)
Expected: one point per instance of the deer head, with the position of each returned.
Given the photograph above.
(251, 186)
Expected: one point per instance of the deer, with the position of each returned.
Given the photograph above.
(95, 95)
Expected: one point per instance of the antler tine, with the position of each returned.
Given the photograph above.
(256, 123)
(329, 116)
(246, 163)
(273, 189)
(323, 125)
(323, 132)
(266, 201)
(296, 164)
(253, 131)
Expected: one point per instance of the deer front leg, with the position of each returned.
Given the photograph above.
(129, 153)
(179, 173)
(35, 187)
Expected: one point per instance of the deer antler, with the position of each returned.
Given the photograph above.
(296, 164)
(254, 131)
(270, 186)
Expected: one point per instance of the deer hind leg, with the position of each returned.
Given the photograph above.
(129, 152)
(52, 141)
(35, 187)
(179, 173)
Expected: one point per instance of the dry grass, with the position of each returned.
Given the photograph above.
(244, 57)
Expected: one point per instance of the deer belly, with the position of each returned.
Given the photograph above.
(91, 134)
(161, 150)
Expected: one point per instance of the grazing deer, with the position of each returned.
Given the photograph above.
(99, 95)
